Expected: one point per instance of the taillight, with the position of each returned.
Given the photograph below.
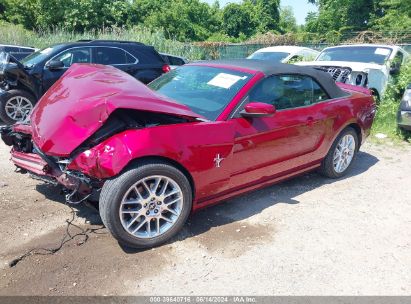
(166, 68)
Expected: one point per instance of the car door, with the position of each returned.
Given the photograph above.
(68, 57)
(269, 146)
(116, 57)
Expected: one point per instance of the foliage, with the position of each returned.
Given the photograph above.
(287, 21)
(73, 15)
(397, 15)
(195, 20)
(184, 20)
(16, 34)
(342, 15)
(266, 14)
(180, 19)
(237, 20)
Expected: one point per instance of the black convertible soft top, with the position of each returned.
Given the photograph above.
(269, 68)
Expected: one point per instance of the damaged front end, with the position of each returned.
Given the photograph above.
(345, 75)
(90, 104)
(28, 159)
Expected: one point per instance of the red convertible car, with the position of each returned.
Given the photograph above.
(200, 134)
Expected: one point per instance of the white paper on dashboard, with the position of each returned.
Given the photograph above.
(381, 51)
(223, 80)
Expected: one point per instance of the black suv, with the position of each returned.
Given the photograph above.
(22, 83)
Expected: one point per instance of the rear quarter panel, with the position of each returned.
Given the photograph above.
(356, 109)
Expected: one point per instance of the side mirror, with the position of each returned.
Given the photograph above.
(258, 109)
(55, 65)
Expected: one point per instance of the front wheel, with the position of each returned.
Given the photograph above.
(146, 205)
(16, 105)
(341, 155)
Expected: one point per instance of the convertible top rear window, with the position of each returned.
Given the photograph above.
(205, 90)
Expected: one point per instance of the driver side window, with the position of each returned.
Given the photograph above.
(77, 55)
(288, 91)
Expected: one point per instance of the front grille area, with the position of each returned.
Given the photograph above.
(339, 74)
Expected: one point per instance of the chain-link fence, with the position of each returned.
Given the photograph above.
(234, 50)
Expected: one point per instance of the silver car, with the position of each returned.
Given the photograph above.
(404, 112)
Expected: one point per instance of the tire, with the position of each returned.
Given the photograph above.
(376, 96)
(14, 97)
(149, 212)
(328, 166)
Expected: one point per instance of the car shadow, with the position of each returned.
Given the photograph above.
(235, 209)
(240, 208)
(87, 210)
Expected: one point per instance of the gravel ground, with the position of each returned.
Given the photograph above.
(306, 236)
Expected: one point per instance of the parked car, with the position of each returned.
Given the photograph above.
(17, 51)
(366, 65)
(200, 134)
(23, 82)
(404, 112)
(285, 54)
(173, 61)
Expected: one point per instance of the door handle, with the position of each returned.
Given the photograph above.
(310, 121)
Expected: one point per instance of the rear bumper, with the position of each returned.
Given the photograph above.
(404, 119)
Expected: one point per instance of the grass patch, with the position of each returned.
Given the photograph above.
(386, 118)
(16, 34)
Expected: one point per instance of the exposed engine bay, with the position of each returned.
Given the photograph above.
(345, 75)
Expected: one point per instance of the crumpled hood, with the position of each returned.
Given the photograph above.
(355, 66)
(79, 103)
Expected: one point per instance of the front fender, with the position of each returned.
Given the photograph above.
(193, 145)
(378, 80)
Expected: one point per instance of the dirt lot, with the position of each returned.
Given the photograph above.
(307, 236)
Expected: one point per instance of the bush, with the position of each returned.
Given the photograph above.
(385, 120)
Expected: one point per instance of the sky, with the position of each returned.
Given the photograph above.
(300, 7)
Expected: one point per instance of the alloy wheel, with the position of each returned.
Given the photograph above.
(18, 108)
(151, 206)
(344, 153)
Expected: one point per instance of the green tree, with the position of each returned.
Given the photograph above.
(395, 15)
(21, 12)
(237, 20)
(287, 23)
(266, 14)
(342, 15)
(73, 15)
(180, 19)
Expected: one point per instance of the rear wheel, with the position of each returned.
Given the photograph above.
(341, 155)
(146, 205)
(16, 105)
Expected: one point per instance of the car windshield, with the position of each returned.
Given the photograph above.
(205, 90)
(366, 54)
(272, 56)
(37, 57)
